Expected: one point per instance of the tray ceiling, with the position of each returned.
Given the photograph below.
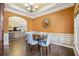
(43, 8)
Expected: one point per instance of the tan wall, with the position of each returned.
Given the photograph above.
(10, 14)
(60, 22)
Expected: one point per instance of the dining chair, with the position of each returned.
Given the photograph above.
(31, 41)
(46, 42)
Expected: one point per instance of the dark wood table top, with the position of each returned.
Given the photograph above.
(39, 37)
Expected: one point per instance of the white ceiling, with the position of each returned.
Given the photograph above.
(44, 8)
(22, 5)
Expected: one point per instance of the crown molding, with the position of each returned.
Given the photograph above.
(46, 10)
(52, 10)
(16, 10)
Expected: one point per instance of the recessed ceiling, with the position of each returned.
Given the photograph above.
(44, 8)
(22, 5)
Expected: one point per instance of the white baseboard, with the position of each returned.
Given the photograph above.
(62, 45)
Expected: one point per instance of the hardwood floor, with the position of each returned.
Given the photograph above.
(18, 47)
(0, 48)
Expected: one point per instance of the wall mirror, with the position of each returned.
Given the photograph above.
(45, 23)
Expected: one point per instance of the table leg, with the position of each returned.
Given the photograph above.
(41, 47)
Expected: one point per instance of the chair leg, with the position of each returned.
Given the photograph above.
(26, 43)
(38, 47)
(31, 47)
(41, 50)
(47, 50)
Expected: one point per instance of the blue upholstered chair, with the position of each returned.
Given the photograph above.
(46, 42)
(30, 41)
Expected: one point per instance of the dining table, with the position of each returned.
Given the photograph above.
(40, 38)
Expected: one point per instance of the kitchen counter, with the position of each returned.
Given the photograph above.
(16, 34)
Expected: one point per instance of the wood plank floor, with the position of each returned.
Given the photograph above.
(0, 48)
(18, 47)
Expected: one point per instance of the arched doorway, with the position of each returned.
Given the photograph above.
(17, 29)
(17, 23)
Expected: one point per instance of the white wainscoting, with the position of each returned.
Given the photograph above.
(6, 38)
(63, 39)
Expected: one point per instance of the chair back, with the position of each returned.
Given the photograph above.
(49, 37)
(29, 38)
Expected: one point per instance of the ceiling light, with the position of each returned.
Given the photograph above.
(36, 6)
(26, 5)
(28, 8)
(34, 9)
(31, 7)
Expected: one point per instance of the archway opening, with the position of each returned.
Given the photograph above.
(17, 24)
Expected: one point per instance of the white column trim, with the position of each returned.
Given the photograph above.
(6, 38)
